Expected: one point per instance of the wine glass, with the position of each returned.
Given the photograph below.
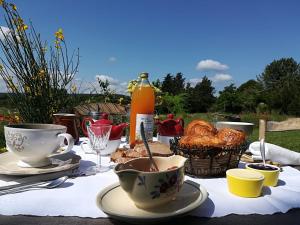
(99, 135)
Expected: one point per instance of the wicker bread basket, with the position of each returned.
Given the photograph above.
(209, 161)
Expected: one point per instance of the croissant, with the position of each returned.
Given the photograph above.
(200, 133)
(200, 127)
(231, 137)
(207, 141)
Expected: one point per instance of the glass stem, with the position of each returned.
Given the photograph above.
(98, 159)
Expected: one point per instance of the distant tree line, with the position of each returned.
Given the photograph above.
(277, 88)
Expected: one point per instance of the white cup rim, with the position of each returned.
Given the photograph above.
(35, 126)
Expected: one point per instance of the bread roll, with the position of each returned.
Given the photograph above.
(231, 137)
(200, 127)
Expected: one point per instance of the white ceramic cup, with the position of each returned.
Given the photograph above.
(34, 143)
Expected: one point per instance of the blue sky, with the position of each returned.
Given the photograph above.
(234, 39)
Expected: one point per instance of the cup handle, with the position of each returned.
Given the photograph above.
(70, 141)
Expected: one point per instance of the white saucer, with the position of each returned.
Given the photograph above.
(114, 201)
(8, 164)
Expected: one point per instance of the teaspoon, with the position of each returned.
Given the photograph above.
(262, 151)
(152, 162)
(53, 184)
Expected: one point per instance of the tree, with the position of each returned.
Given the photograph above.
(179, 83)
(174, 103)
(251, 95)
(229, 100)
(201, 97)
(167, 84)
(281, 82)
(174, 85)
(157, 83)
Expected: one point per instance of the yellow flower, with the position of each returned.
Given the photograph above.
(18, 21)
(156, 89)
(1, 67)
(131, 85)
(57, 44)
(41, 73)
(1, 2)
(13, 6)
(38, 92)
(59, 34)
(121, 100)
(22, 27)
(17, 118)
(27, 89)
(73, 88)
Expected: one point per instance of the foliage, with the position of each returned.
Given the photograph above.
(201, 97)
(37, 79)
(281, 82)
(105, 89)
(229, 100)
(250, 94)
(173, 85)
(174, 103)
(262, 108)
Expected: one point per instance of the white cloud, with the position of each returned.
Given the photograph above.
(210, 64)
(194, 81)
(110, 79)
(221, 77)
(112, 59)
(5, 31)
(118, 86)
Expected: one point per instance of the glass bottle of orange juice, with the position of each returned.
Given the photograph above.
(142, 110)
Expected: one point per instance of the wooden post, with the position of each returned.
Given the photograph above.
(262, 129)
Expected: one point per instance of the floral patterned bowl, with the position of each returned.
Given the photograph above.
(150, 189)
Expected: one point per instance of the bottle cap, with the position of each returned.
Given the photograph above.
(144, 75)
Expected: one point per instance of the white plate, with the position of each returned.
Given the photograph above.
(8, 164)
(114, 201)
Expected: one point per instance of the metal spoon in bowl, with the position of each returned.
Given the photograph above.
(262, 150)
(152, 162)
(51, 184)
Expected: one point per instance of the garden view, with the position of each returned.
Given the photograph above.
(146, 112)
(273, 95)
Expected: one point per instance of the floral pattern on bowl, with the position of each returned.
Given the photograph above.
(150, 189)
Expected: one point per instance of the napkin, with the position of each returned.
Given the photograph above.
(275, 153)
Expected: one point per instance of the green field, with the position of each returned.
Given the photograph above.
(287, 139)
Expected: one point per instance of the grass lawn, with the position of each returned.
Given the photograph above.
(287, 139)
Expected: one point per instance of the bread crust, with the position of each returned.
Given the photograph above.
(200, 127)
(231, 137)
(200, 133)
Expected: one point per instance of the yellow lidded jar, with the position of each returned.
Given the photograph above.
(244, 183)
(271, 175)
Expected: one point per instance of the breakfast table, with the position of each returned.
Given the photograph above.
(75, 201)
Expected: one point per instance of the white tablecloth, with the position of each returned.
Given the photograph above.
(77, 196)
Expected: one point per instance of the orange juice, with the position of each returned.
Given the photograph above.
(142, 110)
